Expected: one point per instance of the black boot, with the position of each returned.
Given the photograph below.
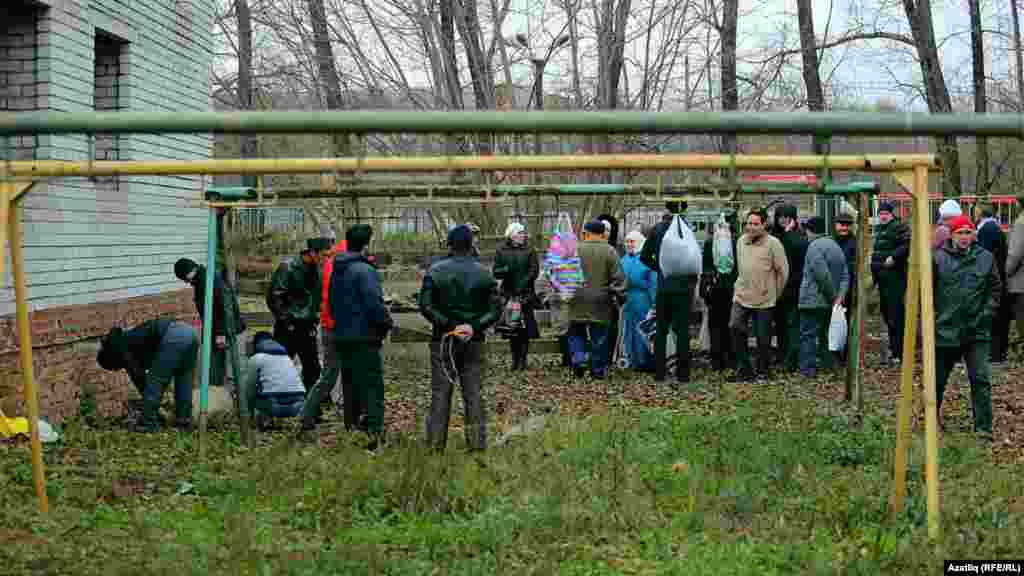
(563, 346)
(524, 351)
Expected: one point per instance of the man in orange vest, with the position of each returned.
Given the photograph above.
(321, 391)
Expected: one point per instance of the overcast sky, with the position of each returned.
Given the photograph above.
(868, 71)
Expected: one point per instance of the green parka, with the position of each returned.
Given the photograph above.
(967, 293)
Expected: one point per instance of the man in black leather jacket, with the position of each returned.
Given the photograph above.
(459, 297)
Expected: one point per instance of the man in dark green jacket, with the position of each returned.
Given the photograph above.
(787, 315)
(460, 299)
(967, 292)
(293, 299)
(889, 269)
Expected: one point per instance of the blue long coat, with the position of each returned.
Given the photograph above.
(641, 289)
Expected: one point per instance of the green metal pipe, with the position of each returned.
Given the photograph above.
(211, 261)
(591, 122)
(471, 191)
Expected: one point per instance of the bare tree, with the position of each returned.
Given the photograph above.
(730, 92)
(329, 80)
(919, 14)
(980, 98)
(1017, 54)
(811, 73)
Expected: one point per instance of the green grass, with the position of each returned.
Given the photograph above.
(763, 486)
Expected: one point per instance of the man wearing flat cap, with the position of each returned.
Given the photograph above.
(847, 240)
(292, 299)
(889, 268)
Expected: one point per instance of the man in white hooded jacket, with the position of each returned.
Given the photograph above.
(272, 387)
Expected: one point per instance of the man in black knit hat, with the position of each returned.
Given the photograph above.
(889, 268)
(227, 318)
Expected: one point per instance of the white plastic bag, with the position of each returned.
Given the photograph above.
(705, 332)
(679, 254)
(837, 329)
(721, 250)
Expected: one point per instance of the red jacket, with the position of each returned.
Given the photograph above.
(326, 320)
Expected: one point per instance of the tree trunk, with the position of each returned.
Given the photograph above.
(248, 142)
(730, 93)
(330, 83)
(1018, 55)
(980, 98)
(919, 14)
(812, 77)
(480, 72)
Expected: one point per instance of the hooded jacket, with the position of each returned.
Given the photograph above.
(967, 293)
(357, 301)
(274, 374)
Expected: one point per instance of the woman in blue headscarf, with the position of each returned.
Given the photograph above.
(641, 288)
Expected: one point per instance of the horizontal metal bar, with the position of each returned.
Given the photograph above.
(593, 122)
(862, 163)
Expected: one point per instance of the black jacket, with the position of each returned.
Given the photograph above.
(357, 301)
(225, 302)
(459, 290)
(518, 268)
(134, 350)
(992, 238)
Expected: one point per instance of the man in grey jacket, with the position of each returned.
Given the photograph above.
(272, 388)
(1015, 269)
(823, 285)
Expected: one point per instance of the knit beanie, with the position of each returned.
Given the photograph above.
(460, 238)
(950, 209)
(183, 267)
(815, 224)
(887, 206)
(959, 223)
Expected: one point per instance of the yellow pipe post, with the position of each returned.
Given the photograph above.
(863, 271)
(863, 163)
(922, 240)
(25, 343)
(904, 407)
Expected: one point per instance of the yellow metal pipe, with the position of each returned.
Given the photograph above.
(863, 163)
(904, 407)
(922, 240)
(25, 346)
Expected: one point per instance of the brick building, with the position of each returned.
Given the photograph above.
(100, 251)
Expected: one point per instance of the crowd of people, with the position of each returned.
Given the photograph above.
(780, 281)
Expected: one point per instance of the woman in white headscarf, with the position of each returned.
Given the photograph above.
(518, 267)
(641, 288)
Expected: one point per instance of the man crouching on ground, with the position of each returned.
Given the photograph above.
(459, 297)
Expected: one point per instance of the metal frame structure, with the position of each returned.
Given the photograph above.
(16, 178)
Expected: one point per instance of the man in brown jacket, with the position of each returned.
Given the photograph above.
(592, 307)
(1015, 268)
(763, 270)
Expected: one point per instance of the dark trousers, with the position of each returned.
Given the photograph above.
(672, 311)
(362, 383)
(787, 334)
(814, 350)
(979, 373)
(740, 321)
(892, 290)
(520, 348)
(175, 360)
(723, 354)
(468, 366)
(301, 341)
(598, 336)
(1001, 328)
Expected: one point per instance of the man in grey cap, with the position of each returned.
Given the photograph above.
(294, 302)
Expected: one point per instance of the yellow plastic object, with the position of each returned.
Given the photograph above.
(13, 426)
